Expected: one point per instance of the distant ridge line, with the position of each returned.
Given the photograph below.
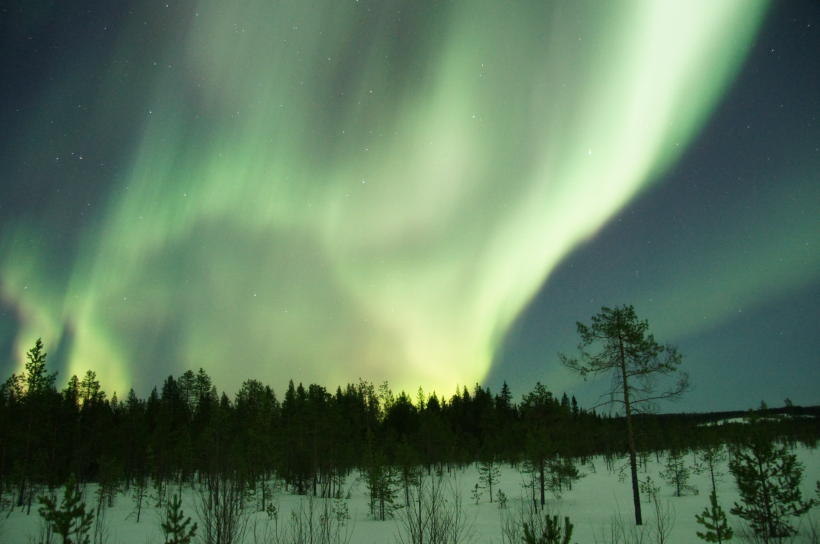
(710, 417)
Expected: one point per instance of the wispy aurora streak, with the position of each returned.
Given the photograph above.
(334, 190)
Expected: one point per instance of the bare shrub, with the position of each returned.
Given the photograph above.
(746, 534)
(313, 521)
(808, 533)
(43, 533)
(102, 533)
(620, 531)
(221, 509)
(435, 514)
(523, 511)
(811, 535)
(320, 521)
(663, 519)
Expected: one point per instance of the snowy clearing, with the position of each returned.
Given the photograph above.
(590, 505)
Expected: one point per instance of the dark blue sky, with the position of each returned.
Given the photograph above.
(741, 206)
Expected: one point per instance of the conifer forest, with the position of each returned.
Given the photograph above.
(243, 451)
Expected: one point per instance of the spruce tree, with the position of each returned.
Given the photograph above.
(176, 530)
(37, 378)
(714, 521)
(503, 401)
(38, 382)
(70, 520)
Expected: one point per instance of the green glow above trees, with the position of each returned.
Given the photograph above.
(328, 192)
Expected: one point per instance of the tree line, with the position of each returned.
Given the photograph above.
(309, 438)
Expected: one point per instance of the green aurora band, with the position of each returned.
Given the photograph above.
(333, 190)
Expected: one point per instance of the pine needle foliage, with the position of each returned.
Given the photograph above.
(176, 530)
(676, 474)
(553, 532)
(714, 521)
(69, 520)
(768, 478)
(620, 345)
(712, 453)
(381, 482)
(476, 493)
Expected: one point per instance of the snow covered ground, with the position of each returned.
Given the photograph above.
(590, 505)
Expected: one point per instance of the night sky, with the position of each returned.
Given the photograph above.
(426, 193)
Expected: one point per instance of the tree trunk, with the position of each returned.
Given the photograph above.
(21, 498)
(490, 482)
(633, 465)
(712, 474)
(421, 526)
(3, 468)
(766, 501)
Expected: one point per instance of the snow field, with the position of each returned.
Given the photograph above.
(590, 505)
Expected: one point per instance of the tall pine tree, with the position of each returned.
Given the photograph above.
(618, 343)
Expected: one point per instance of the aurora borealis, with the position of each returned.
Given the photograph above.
(329, 190)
